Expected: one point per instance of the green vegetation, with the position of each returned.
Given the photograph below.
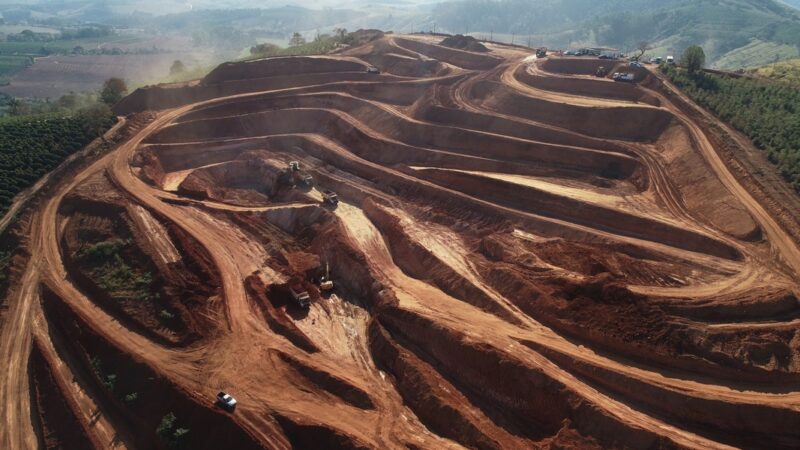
(10, 65)
(109, 381)
(788, 71)
(170, 434)
(113, 91)
(112, 274)
(322, 44)
(31, 146)
(693, 59)
(5, 260)
(767, 112)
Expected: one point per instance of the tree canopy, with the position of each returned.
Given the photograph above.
(693, 58)
(297, 40)
(113, 90)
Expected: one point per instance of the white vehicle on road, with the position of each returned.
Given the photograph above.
(226, 401)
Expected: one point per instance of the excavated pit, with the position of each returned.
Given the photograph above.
(522, 255)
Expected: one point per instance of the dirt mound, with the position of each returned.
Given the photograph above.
(462, 42)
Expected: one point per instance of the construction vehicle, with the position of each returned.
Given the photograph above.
(373, 70)
(326, 283)
(300, 295)
(226, 401)
(541, 52)
(294, 166)
(330, 197)
(619, 76)
(601, 71)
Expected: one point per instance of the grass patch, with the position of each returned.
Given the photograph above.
(788, 71)
(106, 266)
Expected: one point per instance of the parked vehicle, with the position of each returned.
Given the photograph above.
(300, 295)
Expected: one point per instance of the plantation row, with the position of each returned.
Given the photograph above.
(767, 112)
(31, 146)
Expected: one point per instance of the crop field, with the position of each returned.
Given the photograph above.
(54, 76)
(10, 65)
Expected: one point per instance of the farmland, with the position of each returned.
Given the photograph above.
(57, 75)
(34, 145)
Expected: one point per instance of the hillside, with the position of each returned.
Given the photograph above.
(734, 33)
(788, 70)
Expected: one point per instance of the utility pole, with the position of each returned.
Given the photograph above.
(512, 38)
(491, 35)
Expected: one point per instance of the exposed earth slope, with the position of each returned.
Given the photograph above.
(524, 256)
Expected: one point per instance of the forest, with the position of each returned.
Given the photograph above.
(766, 111)
(31, 146)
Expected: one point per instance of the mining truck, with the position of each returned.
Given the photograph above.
(300, 295)
(541, 52)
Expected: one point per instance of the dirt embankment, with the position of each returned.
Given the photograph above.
(421, 263)
(60, 428)
(576, 66)
(587, 87)
(423, 137)
(461, 42)
(268, 67)
(519, 397)
(544, 203)
(458, 58)
(634, 123)
(390, 58)
(156, 396)
(254, 178)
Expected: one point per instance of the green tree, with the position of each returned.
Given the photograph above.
(297, 40)
(96, 119)
(693, 59)
(340, 33)
(177, 68)
(265, 49)
(113, 90)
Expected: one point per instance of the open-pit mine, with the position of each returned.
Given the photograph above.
(405, 245)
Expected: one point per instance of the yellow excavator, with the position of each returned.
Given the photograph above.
(326, 283)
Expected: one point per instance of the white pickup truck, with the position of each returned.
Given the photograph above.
(226, 401)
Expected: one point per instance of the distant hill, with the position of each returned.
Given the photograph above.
(734, 33)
